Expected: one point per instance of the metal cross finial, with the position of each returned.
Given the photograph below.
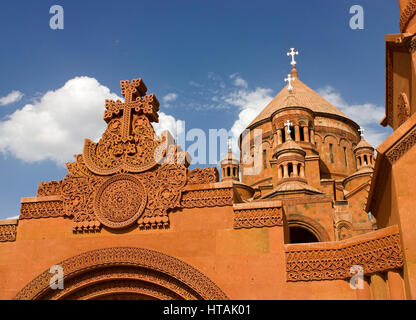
(290, 79)
(361, 130)
(293, 53)
(229, 144)
(288, 124)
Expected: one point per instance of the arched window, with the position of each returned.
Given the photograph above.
(301, 235)
(228, 171)
(331, 153)
(365, 160)
(292, 133)
(302, 134)
(290, 169)
(283, 135)
(345, 156)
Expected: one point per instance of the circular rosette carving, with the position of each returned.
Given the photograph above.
(120, 201)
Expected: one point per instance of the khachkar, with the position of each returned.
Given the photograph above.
(130, 176)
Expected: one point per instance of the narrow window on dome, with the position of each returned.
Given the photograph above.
(345, 157)
(265, 159)
(365, 160)
(331, 154)
(292, 133)
(228, 171)
(283, 135)
(290, 169)
(301, 134)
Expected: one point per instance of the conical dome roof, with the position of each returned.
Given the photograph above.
(230, 158)
(363, 144)
(300, 96)
(289, 146)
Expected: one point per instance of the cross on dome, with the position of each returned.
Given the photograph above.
(293, 53)
(361, 130)
(288, 124)
(229, 144)
(289, 79)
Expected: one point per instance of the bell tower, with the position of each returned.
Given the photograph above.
(230, 167)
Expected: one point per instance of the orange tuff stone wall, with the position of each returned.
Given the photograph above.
(244, 263)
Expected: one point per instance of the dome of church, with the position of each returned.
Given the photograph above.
(363, 144)
(300, 96)
(230, 158)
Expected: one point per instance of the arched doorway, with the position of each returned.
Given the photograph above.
(303, 229)
(124, 273)
(301, 235)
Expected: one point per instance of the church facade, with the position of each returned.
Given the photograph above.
(318, 217)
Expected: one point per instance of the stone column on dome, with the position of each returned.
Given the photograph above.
(302, 170)
(306, 133)
(279, 136)
(279, 172)
(287, 135)
(312, 136)
(297, 132)
(295, 169)
(285, 171)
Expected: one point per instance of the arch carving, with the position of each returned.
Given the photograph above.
(298, 220)
(124, 271)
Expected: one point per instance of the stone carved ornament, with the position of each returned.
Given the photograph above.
(8, 232)
(127, 177)
(379, 254)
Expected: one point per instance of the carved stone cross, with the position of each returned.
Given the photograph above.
(288, 124)
(290, 79)
(293, 53)
(135, 99)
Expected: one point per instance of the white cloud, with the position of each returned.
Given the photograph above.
(12, 97)
(13, 218)
(168, 122)
(367, 115)
(170, 97)
(238, 80)
(250, 103)
(55, 126)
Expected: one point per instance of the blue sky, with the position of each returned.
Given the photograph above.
(207, 62)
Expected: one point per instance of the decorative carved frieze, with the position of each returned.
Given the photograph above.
(407, 14)
(403, 109)
(389, 87)
(218, 197)
(8, 232)
(315, 262)
(258, 217)
(52, 188)
(402, 146)
(412, 45)
(41, 209)
(202, 176)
